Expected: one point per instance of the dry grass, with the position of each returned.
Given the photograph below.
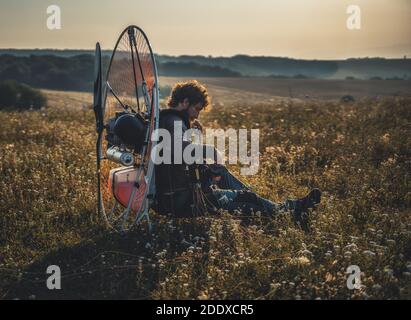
(358, 154)
(266, 89)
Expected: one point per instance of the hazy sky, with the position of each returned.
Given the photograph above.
(314, 29)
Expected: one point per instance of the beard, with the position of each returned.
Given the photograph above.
(186, 114)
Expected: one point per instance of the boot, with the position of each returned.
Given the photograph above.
(300, 207)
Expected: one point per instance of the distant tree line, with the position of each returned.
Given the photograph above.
(51, 72)
(192, 69)
(73, 69)
(76, 72)
(20, 96)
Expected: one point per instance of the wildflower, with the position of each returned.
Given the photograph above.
(329, 277)
(369, 253)
(389, 271)
(385, 138)
(275, 286)
(303, 260)
(162, 253)
(307, 253)
(352, 247)
(202, 296)
(347, 254)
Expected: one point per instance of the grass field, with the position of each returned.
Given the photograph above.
(358, 154)
(235, 90)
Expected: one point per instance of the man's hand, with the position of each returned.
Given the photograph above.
(197, 125)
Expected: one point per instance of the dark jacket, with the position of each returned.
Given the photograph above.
(173, 181)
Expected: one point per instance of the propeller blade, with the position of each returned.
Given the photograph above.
(98, 88)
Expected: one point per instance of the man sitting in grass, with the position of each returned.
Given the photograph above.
(176, 186)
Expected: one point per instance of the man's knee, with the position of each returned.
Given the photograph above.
(246, 196)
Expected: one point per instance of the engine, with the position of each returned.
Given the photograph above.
(125, 136)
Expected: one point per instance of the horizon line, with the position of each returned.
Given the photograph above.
(405, 56)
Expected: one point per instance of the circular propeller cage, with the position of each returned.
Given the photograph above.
(126, 172)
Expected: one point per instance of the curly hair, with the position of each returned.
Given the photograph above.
(194, 91)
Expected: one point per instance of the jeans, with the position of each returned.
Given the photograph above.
(231, 194)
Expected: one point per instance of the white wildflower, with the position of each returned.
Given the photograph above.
(369, 253)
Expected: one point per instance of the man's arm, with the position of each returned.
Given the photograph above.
(209, 151)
